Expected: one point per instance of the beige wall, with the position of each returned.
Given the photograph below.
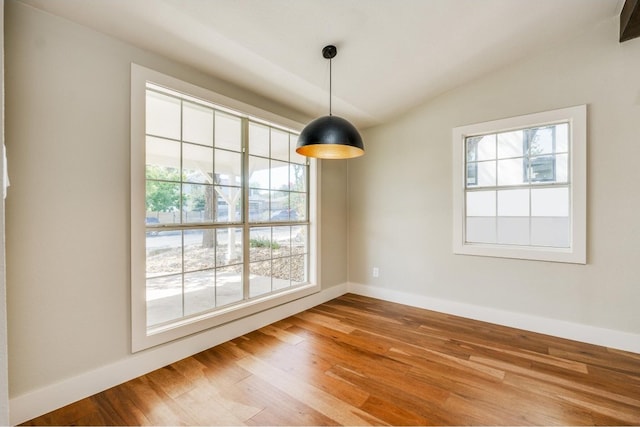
(401, 191)
(4, 382)
(67, 126)
(333, 217)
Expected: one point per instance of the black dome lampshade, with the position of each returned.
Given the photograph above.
(330, 137)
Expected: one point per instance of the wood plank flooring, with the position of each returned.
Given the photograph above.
(360, 361)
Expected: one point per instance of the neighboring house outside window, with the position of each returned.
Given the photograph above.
(520, 187)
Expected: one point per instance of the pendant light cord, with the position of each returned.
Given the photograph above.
(330, 74)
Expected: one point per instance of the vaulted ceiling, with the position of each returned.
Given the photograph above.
(392, 54)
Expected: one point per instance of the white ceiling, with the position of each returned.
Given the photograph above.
(392, 54)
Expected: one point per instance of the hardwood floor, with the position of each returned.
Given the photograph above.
(357, 361)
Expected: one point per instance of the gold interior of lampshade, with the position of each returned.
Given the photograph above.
(330, 151)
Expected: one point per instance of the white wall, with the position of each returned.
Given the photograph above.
(68, 109)
(401, 194)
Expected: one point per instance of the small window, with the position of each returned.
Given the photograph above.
(520, 187)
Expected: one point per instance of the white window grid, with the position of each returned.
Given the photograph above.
(145, 337)
(526, 158)
(575, 184)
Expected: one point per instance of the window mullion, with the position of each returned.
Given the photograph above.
(181, 202)
(214, 208)
(495, 160)
(308, 193)
(245, 208)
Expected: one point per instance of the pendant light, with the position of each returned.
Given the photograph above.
(330, 137)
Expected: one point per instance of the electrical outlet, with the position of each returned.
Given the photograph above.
(376, 272)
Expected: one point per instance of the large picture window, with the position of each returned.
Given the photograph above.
(224, 224)
(520, 187)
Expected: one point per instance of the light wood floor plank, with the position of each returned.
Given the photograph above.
(323, 402)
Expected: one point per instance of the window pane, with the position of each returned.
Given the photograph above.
(260, 244)
(258, 140)
(299, 239)
(281, 273)
(562, 168)
(164, 299)
(197, 163)
(298, 211)
(511, 172)
(228, 131)
(259, 172)
(162, 115)
(510, 144)
(481, 203)
(513, 202)
(472, 174)
(199, 249)
(481, 148)
(228, 167)
(228, 285)
(550, 202)
(513, 231)
(258, 205)
(163, 199)
(541, 140)
(543, 169)
(279, 145)
(481, 230)
(552, 232)
(282, 242)
(162, 159)
(299, 269)
(298, 178)
(229, 204)
(280, 210)
(197, 123)
(259, 278)
(279, 175)
(562, 138)
(486, 174)
(471, 147)
(197, 203)
(164, 253)
(199, 292)
(281, 266)
(228, 246)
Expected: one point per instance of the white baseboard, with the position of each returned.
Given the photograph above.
(39, 402)
(559, 328)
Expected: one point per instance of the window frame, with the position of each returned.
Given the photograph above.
(141, 338)
(576, 117)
